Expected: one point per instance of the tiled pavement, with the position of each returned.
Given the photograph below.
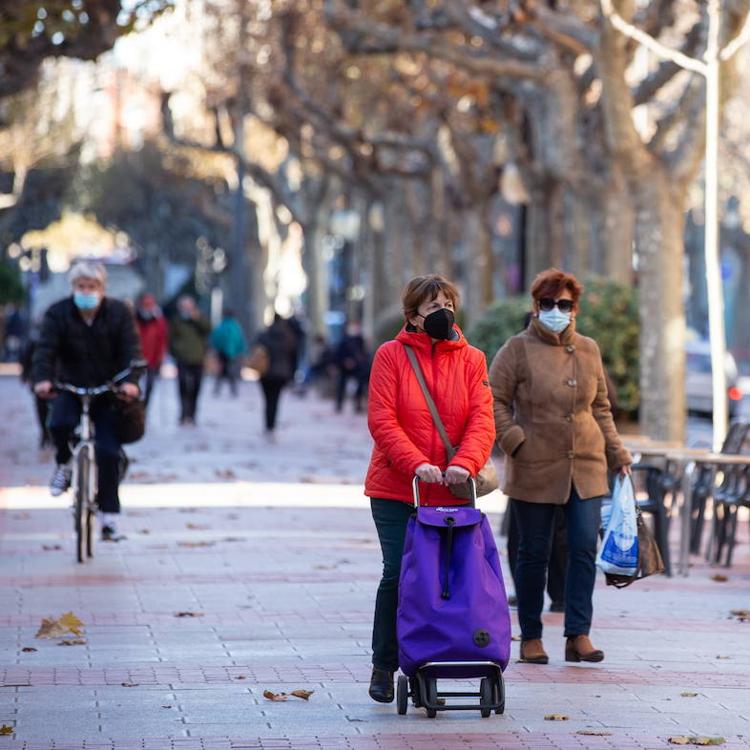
(278, 579)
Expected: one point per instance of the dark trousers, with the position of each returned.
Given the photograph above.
(535, 523)
(558, 559)
(391, 518)
(189, 378)
(149, 382)
(42, 415)
(65, 416)
(272, 388)
(227, 371)
(344, 377)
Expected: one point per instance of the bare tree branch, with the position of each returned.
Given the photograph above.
(736, 43)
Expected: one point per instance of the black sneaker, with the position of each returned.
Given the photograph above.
(110, 534)
(60, 480)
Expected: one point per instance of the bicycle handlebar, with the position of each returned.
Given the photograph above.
(106, 387)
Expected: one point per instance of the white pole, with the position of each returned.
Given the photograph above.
(711, 247)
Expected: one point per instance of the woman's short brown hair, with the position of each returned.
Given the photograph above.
(423, 288)
(551, 282)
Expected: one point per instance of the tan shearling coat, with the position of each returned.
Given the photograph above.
(553, 417)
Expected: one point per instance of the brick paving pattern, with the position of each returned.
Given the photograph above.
(231, 583)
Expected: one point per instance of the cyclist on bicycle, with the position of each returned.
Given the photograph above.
(86, 339)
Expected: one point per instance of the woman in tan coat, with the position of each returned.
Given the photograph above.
(555, 426)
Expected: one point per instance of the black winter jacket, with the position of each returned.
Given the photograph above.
(86, 355)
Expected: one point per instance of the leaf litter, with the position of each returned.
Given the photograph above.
(279, 697)
(5, 729)
(695, 740)
(556, 717)
(62, 626)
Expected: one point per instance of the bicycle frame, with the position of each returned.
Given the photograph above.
(86, 443)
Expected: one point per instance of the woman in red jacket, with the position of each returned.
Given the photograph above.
(407, 441)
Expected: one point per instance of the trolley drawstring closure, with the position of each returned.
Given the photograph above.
(449, 521)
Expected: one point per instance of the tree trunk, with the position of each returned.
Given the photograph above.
(659, 229)
(314, 266)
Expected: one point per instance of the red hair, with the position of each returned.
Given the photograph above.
(551, 282)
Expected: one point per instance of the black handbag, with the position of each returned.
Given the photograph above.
(130, 422)
(649, 557)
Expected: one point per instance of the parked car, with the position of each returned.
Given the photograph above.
(698, 380)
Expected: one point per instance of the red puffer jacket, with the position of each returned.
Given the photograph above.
(400, 422)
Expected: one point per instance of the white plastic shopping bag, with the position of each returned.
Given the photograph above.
(619, 550)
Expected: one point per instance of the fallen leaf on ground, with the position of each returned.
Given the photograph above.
(195, 544)
(719, 578)
(274, 696)
(166, 706)
(304, 694)
(51, 547)
(188, 614)
(240, 677)
(688, 694)
(129, 684)
(723, 657)
(72, 642)
(695, 740)
(225, 474)
(145, 531)
(743, 615)
(595, 732)
(28, 649)
(680, 740)
(197, 526)
(5, 729)
(555, 717)
(56, 628)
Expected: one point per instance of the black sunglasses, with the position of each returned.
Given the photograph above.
(563, 305)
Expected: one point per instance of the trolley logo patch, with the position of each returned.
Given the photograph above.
(482, 638)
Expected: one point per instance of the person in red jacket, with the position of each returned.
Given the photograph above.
(407, 442)
(152, 328)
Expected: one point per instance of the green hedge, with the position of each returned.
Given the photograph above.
(608, 314)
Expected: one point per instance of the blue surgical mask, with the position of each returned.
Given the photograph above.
(555, 320)
(87, 301)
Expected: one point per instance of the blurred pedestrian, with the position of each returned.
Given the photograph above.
(188, 334)
(281, 344)
(320, 361)
(14, 329)
(41, 405)
(228, 341)
(553, 421)
(86, 339)
(154, 332)
(353, 363)
(407, 442)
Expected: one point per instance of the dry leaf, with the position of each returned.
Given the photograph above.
(680, 740)
(688, 694)
(556, 717)
(723, 657)
(5, 729)
(166, 706)
(28, 649)
(743, 615)
(197, 526)
(304, 694)
(52, 628)
(706, 741)
(188, 614)
(51, 547)
(129, 684)
(595, 732)
(274, 696)
(719, 578)
(240, 677)
(72, 642)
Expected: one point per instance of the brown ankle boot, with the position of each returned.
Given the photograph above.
(532, 652)
(580, 648)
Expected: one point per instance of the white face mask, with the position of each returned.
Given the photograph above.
(555, 320)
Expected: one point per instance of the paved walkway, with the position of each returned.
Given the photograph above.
(252, 567)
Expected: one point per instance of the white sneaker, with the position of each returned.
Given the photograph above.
(60, 480)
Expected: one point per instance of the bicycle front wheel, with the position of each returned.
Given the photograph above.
(81, 506)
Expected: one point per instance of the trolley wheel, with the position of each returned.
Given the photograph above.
(431, 697)
(402, 694)
(81, 504)
(499, 690)
(90, 525)
(486, 694)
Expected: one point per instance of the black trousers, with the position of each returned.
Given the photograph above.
(344, 377)
(150, 381)
(65, 416)
(189, 378)
(272, 388)
(391, 518)
(558, 558)
(227, 371)
(535, 522)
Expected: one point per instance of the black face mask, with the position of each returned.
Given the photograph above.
(439, 324)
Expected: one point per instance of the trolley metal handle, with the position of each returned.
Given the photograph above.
(415, 491)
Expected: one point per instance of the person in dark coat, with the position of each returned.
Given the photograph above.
(41, 405)
(154, 333)
(86, 339)
(282, 345)
(353, 362)
(188, 342)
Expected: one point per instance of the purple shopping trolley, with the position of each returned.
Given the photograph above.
(453, 620)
